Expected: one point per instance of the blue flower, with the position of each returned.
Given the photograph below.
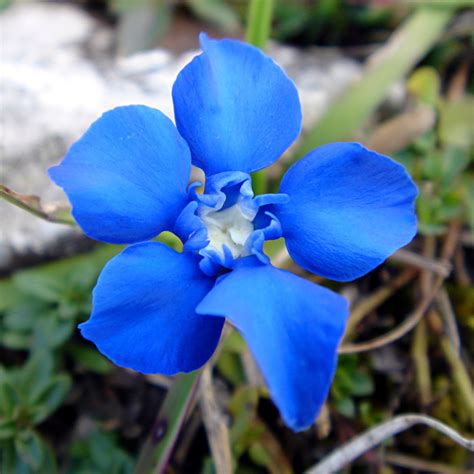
(342, 210)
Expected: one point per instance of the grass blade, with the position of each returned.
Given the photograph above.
(392, 62)
(158, 448)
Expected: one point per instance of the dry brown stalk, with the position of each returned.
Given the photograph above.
(216, 427)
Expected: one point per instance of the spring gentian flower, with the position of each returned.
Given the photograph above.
(342, 210)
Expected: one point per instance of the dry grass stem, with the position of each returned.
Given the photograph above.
(366, 441)
(374, 300)
(216, 428)
(417, 464)
(447, 253)
(446, 309)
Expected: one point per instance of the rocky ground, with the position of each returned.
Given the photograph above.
(60, 72)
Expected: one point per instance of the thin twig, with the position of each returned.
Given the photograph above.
(417, 464)
(419, 351)
(451, 241)
(33, 205)
(428, 252)
(446, 309)
(371, 438)
(323, 422)
(422, 262)
(449, 339)
(457, 85)
(419, 347)
(374, 300)
(251, 370)
(461, 273)
(216, 428)
(399, 331)
(446, 254)
(214, 423)
(461, 379)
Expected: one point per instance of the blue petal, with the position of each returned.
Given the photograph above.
(350, 208)
(126, 177)
(144, 311)
(235, 107)
(293, 328)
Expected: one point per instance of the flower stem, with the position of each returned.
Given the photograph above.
(259, 20)
(157, 450)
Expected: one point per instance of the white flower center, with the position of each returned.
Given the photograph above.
(230, 227)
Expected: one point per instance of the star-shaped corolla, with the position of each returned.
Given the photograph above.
(342, 210)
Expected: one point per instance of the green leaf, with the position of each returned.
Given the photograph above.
(21, 317)
(450, 208)
(243, 407)
(35, 375)
(290, 19)
(8, 395)
(426, 143)
(80, 270)
(99, 452)
(9, 294)
(343, 380)
(208, 466)
(50, 398)
(362, 384)
(259, 454)
(7, 428)
(50, 333)
(455, 161)
(27, 454)
(425, 84)
(456, 122)
(10, 463)
(90, 359)
(31, 449)
(67, 310)
(369, 414)
(432, 166)
(46, 287)
(234, 343)
(15, 340)
(49, 461)
(230, 366)
(346, 407)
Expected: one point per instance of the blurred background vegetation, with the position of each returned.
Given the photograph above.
(65, 408)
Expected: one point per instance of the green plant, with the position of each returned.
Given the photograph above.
(29, 395)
